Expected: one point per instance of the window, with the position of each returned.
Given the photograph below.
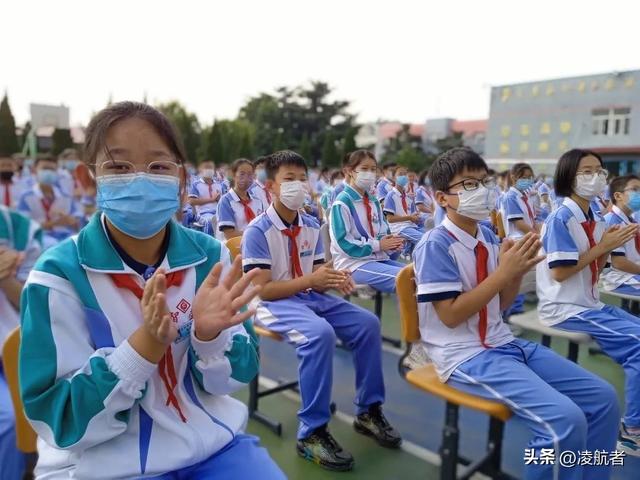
(504, 148)
(524, 147)
(524, 129)
(545, 128)
(611, 121)
(505, 130)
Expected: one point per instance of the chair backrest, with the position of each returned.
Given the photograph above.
(233, 244)
(406, 291)
(25, 435)
(326, 241)
(499, 224)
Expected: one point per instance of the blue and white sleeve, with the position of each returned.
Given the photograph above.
(558, 244)
(255, 250)
(437, 274)
(612, 220)
(226, 215)
(390, 204)
(512, 209)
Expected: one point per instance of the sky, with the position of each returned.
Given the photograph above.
(395, 60)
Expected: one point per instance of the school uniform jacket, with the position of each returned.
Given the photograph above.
(352, 244)
(19, 233)
(614, 278)
(99, 408)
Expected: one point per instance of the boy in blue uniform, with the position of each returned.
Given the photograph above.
(624, 274)
(386, 182)
(578, 244)
(285, 244)
(401, 212)
(464, 280)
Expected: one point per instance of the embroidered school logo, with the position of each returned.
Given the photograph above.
(306, 245)
(183, 306)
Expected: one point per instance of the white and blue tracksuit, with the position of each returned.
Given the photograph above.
(575, 305)
(33, 206)
(355, 248)
(19, 233)
(100, 409)
(394, 205)
(617, 280)
(311, 321)
(206, 214)
(564, 406)
(231, 213)
(383, 188)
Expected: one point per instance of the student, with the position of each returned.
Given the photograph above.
(11, 188)
(57, 213)
(330, 193)
(259, 190)
(204, 196)
(284, 244)
(20, 246)
(130, 342)
(624, 274)
(400, 210)
(464, 280)
(518, 215)
(424, 200)
(577, 244)
(385, 184)
(238, 207)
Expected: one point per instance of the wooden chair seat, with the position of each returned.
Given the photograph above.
(425, 378)
(266, 333)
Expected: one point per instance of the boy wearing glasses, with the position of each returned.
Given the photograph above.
(577, 244)
(624, 276)
(464, 280)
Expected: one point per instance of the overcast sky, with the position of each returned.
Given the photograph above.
(395, 59)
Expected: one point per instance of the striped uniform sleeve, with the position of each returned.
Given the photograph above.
(318, 253)
(381, 191)
(390, 204)
(255, 250)
(512, 209)
(228, 362)
(74, 396)
(193, 191)
(226, 216)
(341, 226)
(421, 198)
(437, 274)
(621, 250)
(558, 244)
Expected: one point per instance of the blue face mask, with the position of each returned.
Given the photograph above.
(138, 204)
(634, 201)
(47, 177)
(261, 175)
(402, 180)
(524, 184)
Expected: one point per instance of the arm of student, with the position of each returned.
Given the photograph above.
(341, 234)
(622, 263)
(523, 226)
(75, 396)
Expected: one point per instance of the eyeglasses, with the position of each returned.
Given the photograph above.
(471, 184)
(632, 189)
(123, 167)
(600, 172)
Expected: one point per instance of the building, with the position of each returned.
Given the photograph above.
(377, 136)
(537, 121)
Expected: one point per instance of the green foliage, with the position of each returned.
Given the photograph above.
(187, 125)
(414, 159)
(330, 155)
(227, 140)
(350, 141)
(297, 117)
(8, 138)
(61, 140)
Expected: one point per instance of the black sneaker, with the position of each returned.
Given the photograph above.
(374, 424)
(320, 447)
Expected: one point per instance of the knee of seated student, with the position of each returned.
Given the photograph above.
(368, 321)
(322, 335)
(568, 422)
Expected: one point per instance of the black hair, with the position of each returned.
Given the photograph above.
(451, 163)
(422, 178)
(337, 174)
(259, 161)
(519, 169)
(283, 158)
(566, 170)
(389, 164)
(353, 159)
(45, 157)
(618, 184)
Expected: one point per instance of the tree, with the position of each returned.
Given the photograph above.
(330, 155)
(228, 140)
(414, 159)
(349, 144)
(8, 138)
(61, 140)
(291, 115)
(305, 149)
(187, 125)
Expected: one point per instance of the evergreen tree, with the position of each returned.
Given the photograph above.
(8, 137)
(62, 140)
(350, 141)
(305, 150)
(330, 155)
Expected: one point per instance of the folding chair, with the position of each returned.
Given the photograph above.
(426, 379)
(25, 435)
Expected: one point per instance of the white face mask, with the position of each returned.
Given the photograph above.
(588, 188)
(477, 204)
(292, 194)
(208, 173)
(365, 180)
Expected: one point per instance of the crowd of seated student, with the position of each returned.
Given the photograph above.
(134, 335)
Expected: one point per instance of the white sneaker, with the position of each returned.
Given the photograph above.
(417, 357)
(628, 442)
(365, 292)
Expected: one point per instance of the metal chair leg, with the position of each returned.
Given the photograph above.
(573, 352)
(449, 448)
